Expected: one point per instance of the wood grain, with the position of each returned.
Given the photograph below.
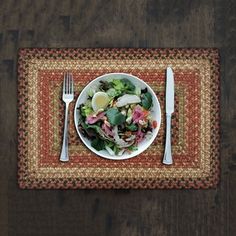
(117, 23)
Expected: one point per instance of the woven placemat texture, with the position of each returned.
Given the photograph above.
(195, 123)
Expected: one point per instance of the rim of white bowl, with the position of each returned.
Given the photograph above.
(108, 156)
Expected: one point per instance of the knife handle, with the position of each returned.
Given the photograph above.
(167, 160)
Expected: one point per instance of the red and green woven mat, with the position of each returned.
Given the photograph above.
(195, 123)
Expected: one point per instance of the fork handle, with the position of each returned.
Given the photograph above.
(167, 155)
(64, 151)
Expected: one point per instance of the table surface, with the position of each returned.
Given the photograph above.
(117, 23)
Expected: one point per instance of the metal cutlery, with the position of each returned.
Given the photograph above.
(67, 97)
(168, 160)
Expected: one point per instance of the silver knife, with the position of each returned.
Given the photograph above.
(170, 91)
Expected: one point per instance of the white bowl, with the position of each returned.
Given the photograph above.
(156, 114)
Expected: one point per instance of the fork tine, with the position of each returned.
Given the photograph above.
(69, 88)
(64, 84)
(72, 84)
(67, 82)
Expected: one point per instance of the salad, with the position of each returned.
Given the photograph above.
(117, 116)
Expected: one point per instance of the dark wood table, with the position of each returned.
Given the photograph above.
(117, 23)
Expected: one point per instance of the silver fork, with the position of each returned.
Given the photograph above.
(67, 97)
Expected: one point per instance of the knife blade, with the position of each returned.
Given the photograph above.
(168, 160)
(169, 91)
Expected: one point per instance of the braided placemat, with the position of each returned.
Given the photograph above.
(195, 123)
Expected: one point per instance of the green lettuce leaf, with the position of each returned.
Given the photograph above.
(98, 144)
(123, 86)
(132, 127)
(146, 100)
(118, 85)
(86, 109)
(115, 117)
(128, 86)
